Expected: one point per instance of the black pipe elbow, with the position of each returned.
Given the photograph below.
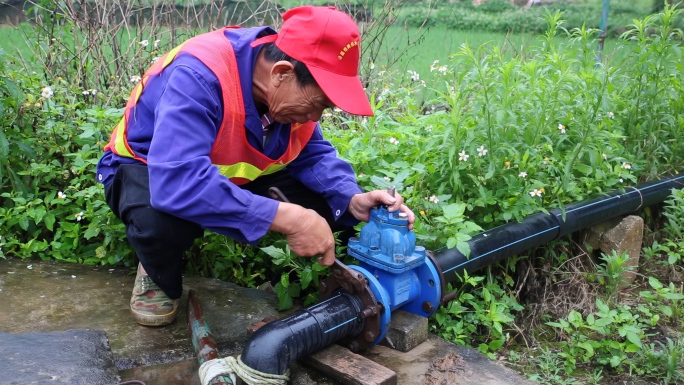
(275, 345)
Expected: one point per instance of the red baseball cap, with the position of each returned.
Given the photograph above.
(327, 41)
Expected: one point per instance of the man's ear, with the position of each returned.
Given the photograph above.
(282, 71)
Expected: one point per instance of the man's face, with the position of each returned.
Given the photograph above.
(291, 103)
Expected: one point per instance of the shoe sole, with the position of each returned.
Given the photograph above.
(156, 319)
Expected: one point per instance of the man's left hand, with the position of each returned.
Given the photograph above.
(360, 205)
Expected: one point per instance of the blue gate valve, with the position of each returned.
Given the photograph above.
(398, 272)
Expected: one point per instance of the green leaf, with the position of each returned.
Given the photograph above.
(496, 344)
(584, 169)
(486, 295)
(590, 319)
(285, 280)
(49, 221)
(655, 283)
(14, 91)
(279, 255)
(634, 338)
(614, 361)
(24, 223)
(603, 322)
(454, 211)
(92, 231)
(631, 348)
(587, 346)
(306, 276)
(463, 248)
(672, 258)
(451, 242)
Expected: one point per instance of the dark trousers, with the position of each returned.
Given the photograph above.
(160, 239)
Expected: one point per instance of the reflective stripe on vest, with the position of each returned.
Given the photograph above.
(231, 153)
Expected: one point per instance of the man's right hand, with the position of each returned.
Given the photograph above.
(307, 233)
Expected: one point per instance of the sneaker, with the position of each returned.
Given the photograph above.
(150, 306)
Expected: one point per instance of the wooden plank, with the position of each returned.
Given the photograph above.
(342, 365)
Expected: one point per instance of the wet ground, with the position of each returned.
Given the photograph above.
(70, 324)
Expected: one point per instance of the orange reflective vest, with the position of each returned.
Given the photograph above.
(231, 153)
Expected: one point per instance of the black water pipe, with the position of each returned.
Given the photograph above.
(501, 242)
(275, 345)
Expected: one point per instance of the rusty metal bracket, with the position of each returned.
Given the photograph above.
(344, 278)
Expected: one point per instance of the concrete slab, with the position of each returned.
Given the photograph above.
(50, 297)
(437, 361)
(73, 357)
(53, 297)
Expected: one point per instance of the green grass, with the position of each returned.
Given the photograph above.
(439, 43)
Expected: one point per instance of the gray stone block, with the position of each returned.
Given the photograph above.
(407, 330)
(73, 357)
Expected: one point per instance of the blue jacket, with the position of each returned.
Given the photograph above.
(174, 126)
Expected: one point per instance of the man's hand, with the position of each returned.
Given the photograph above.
(307, 233)
(360, 205)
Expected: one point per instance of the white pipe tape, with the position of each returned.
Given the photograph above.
(232, 367)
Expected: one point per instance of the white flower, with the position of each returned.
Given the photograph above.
(372, 65)
(144, 43)
(381, 73)
(605, 156)
(414, 75)
(433, 66)
(428, 129)
(481, 151)
(442, 70)
(154, 59)
(462, 156)
(561, 128)
(384, 92)
(156, 43)
(61, 195)
(86, 92)
(611, 115)
(422, 83)
(394, 141)
(135, 79)
(361, 175)
(79, 216)
(387, 179)
(621, 180)
(626, 166)
(47, 92)
(536, 193)
(433, 199)
(522, 174)
(30, 267)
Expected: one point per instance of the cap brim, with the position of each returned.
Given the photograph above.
(264, 40)
(346, 92)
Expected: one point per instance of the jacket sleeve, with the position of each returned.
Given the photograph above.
(183, 181)
(319, 168)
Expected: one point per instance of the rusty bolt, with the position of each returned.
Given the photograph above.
(367, 312)
(427, 306)
(353, 346)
